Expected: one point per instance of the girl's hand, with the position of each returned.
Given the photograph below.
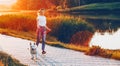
(48, 29)
(38, 27)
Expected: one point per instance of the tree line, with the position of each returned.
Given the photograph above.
(37, 4)
(73, 3)
(32, 4)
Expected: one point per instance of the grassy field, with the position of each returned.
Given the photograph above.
(109, 6)
(95, 9)
(63, 27)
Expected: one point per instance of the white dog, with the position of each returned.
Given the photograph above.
(33, 51)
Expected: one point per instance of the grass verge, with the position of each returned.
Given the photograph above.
(109, 6)
(94, 6)
(7, 60)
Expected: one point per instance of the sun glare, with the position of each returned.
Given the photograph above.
(7, 2)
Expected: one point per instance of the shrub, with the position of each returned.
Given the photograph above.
(81, 38)
(98, 51)
(94, 50)
(64, 27)
(116, 54)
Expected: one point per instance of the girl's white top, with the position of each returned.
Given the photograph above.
(41, 21)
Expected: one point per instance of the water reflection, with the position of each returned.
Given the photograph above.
(105, 25)
(107, 40)
(107, 33)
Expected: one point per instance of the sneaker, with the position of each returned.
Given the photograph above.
(43, 52)
(32, 58)
(37, 59)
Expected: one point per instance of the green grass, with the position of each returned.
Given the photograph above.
(96, 11)
(102, 17)
(7, 60)
(110, 6)
(95, 6)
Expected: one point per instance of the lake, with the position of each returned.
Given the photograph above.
(107, 33)
(108, 41)
(107, 28)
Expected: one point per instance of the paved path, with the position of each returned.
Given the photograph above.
(18, 48)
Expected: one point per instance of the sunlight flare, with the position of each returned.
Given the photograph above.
(7, 2)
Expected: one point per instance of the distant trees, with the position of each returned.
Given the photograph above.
(56, 2)
(72, 3)
(32, 4)
(65, 3)
(21, 4)
(98, 1)
(37, 4)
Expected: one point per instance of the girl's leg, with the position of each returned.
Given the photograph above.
(38, 37)
(32, 56)
(36, 53)
(43, 42)
(43, 39)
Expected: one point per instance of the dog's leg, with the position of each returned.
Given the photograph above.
(32, 56)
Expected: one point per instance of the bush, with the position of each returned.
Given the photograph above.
(65, 27)
(81, 38)
(98, 51)
(94, 50)
(116, 54)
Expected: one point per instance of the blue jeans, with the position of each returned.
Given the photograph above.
(41, 33)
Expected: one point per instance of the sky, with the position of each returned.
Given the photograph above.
(7, 2)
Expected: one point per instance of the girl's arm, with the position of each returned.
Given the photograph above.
(48, 28)
(37, 22)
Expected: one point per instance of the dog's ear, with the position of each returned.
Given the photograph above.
(30, 43)
(34, 44)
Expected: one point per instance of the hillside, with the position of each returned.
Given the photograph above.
(115, 6)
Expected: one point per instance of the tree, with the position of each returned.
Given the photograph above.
(21, 4)
(37, 4)
(32, 4)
